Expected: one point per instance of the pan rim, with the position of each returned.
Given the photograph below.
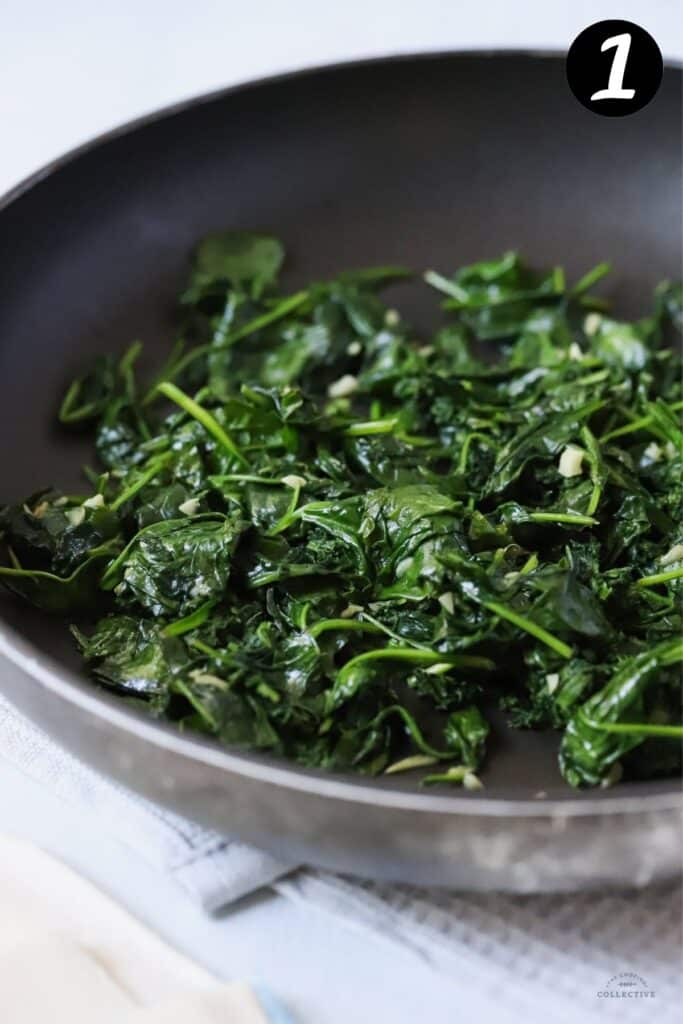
(76, 689)
(244, 85)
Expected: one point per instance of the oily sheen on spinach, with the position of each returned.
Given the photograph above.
(316, 533)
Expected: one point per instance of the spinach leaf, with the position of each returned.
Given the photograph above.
(173, 566)
(240, 258)
(620, 716)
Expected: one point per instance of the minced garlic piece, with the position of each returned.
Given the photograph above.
(75, 515)
(343, 387)
(350, 611)
(570, 461)
(189, 507)
(472, 781)
(653, 452)
(674, 554)
(97, 501)
(592, 323)
(294, 481)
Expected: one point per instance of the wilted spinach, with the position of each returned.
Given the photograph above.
(318, 534)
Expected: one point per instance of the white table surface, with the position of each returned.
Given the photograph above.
(72, 69)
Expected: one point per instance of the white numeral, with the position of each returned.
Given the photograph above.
(615, 84)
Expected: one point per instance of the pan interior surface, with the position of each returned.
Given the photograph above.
(423, 161)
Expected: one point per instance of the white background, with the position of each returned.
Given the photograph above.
(71, 69)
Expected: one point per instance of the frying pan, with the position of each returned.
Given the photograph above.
(431, 161)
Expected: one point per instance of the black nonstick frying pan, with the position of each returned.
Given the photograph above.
(431, 160)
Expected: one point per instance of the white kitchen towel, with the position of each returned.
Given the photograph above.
(555, 952)
(214, 870)
(88, 954)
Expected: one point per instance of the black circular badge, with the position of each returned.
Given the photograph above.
(614, 68)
